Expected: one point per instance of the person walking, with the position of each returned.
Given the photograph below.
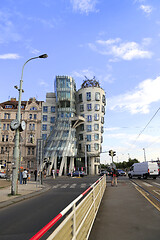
(35, 174)
(114, 177)
(53, 173)
(24, 175)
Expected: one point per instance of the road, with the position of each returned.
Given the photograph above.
(22, 220)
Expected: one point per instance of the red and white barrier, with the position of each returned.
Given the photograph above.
(62, 213)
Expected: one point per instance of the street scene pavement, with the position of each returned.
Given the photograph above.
(124, 212)
(25, 191)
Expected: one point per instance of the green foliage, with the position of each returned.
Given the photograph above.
(124, 164)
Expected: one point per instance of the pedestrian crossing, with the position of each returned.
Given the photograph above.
(73, 185)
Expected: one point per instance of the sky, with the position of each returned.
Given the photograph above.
(117, 41)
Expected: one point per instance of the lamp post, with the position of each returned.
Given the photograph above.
(144, 154)
(15, 163)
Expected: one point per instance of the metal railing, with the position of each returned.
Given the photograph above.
(81, 215)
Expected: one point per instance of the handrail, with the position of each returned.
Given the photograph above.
(39, 234)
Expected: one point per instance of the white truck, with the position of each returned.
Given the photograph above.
(144, 169)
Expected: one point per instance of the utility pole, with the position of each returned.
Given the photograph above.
(15, 125)
(144, 154)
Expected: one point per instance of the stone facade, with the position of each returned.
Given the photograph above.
(31, 112)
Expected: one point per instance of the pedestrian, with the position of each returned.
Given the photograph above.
(35, 174)
(53, 173)
(114, 178)
(24, 175)
(57, 172)
(44, 173)
(29, 176)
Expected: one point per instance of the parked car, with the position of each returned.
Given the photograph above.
(104, 172)
(3, 175)
(121, 172)
(77, 174)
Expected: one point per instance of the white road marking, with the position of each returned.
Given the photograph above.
(83, 185)
(73, 185)
(156, 192)
(156, 183)
(65, 185)
(56, 186)
(147, 184)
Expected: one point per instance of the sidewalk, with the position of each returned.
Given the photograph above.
(125, 214)
(24, 191)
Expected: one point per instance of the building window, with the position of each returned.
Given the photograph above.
(53, 109)
(102, 119)
(96, 116)
(7, 115)
(79, 146)
(88, 138)
(33, 127)
(2, 150)
(44, 118)
(102, 129)
(89, 118)
(33, 108)
(8, 106)
(97, 107)
(88, 146)
(82, 115)
(51, 128)
(30, 116)
(29, 151)
(44, 127)
(52, 120)
(45, 109)
(35, 116)
(96, 127)
(89, 107)
(88, 95)
(96, 136)
(81, 108)
(96, 146)
(89, 128)
(101, 139)
(80, 137)
(7, 126)
(4, 126)
(80, 98)
(2, 138)
(81, 127)
(44, 136)
(30, 126)
(97, 96)
(103, 109)
(33, 150)
(103, 99)
(6, 138)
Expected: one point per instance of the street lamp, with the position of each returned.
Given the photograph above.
(144, 154)
(15, 163)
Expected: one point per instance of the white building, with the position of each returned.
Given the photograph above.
(73, 139)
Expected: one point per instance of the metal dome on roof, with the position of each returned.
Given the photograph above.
(90, 83)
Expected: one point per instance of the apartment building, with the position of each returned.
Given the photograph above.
(31, 112)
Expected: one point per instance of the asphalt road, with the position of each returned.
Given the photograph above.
(22, 220)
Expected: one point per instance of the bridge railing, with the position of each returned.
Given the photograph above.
(78, 223)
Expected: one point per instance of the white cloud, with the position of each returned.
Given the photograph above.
(122, 50)
(84, 6)
(146, 9)
(9, 56)
(7, 29)
(138, 100)
(85, 72)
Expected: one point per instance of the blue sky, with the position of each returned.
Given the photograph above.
(118, 41)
